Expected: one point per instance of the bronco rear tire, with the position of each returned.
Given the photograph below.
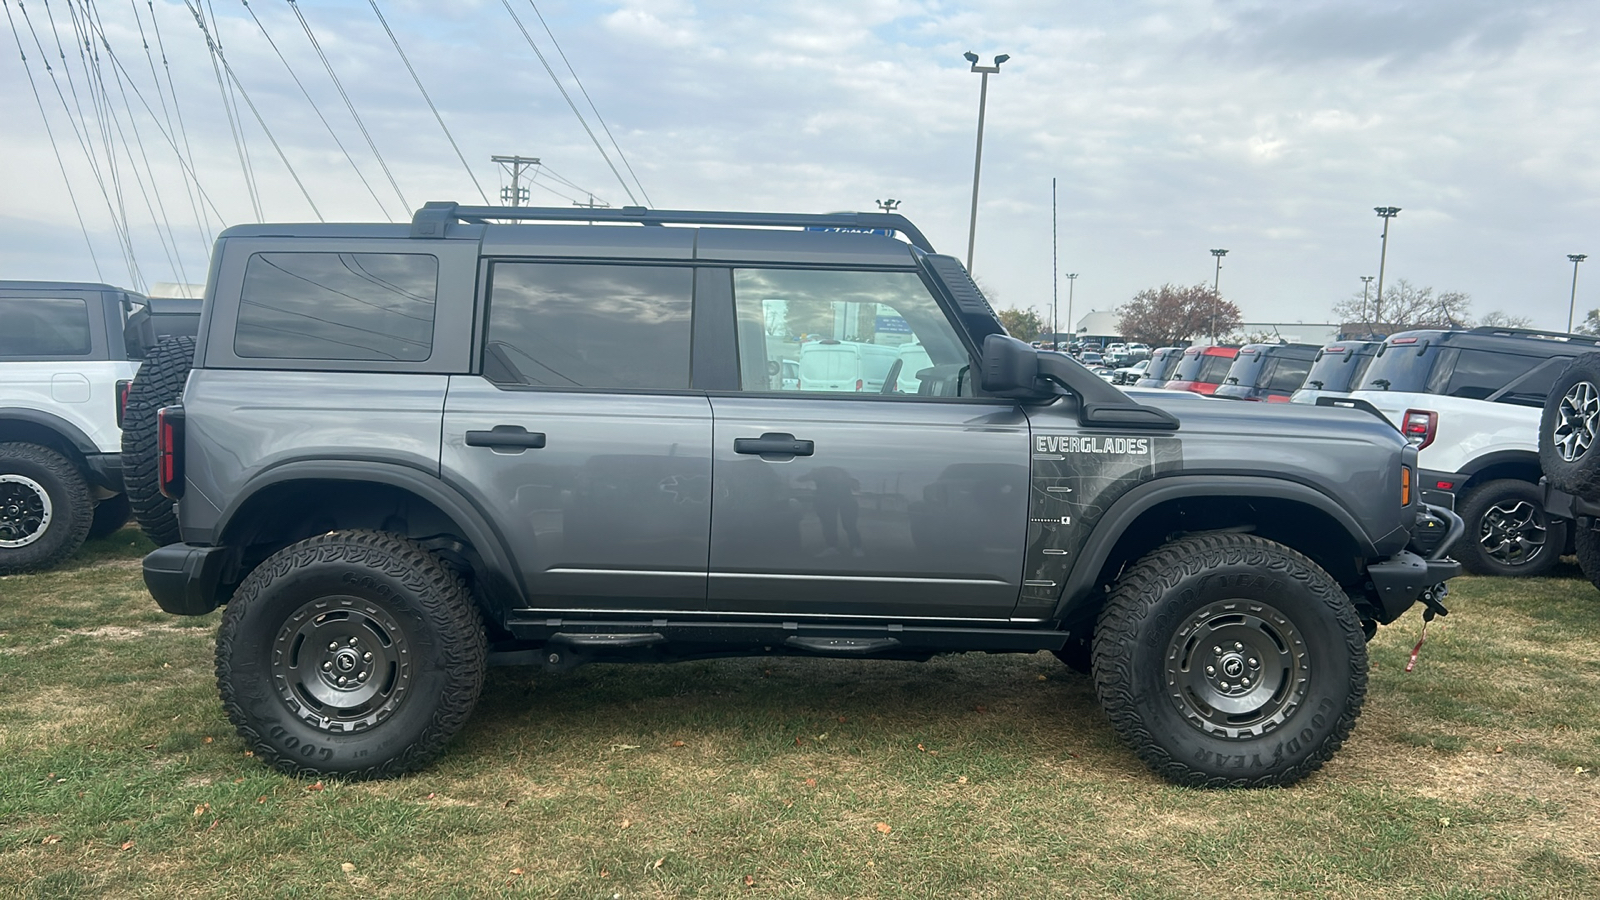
(1508, 530)
(1228, 660)
(45, 508)
(355, 654)
(158, 383)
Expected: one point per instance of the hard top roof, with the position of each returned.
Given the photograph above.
(1527, 341)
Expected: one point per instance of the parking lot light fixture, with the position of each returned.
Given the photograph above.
(977, 162)
(1572, 303)
(1387, 213)
(1216, 280)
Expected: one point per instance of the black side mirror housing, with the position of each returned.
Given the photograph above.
(1010, 368)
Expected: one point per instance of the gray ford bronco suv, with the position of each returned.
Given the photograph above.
(406, 453)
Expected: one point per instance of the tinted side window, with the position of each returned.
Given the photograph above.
(1213, 369)
(589, 326)
(844, 332)
(1478, 373)
(346, 306)
(44, 327)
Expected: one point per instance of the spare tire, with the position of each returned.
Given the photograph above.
(158, 383)
(1569, 427)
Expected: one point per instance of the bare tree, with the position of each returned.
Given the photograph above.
(1165, 315)
(1500, 319)
(1404, 305)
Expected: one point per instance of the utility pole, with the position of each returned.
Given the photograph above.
(1572, 304)
(1387, 213)
(1055, 279)
(1366, 282)
(977, 162)
(1216, 295)
(516, 194)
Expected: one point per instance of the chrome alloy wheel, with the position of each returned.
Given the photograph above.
(1577, 418)
(25, 511)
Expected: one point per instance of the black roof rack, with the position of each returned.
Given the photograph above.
(430, 220)
(1534, 332)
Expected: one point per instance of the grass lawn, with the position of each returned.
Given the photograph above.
(970, 776)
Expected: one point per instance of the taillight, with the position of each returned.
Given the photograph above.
(169, 451)
(123, 386)
(1405, 485)
(1419, 427)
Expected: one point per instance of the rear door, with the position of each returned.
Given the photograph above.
(863, 503)
(581, 437)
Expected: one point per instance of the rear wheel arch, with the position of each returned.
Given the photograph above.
(27, 426)
(1522, 465)
(296, 501)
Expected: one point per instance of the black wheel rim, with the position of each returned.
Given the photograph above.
(342, 664)
(1577, 418)
(25, 511)
(1513, 532)
(1237, 669)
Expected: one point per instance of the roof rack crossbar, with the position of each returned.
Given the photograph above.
(431, 219)
(1535, 332)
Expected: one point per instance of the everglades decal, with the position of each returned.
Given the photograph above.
(1076, 478)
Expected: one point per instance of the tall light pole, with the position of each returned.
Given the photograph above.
(1366, 282)
(977, 162)
(889, 205)
(1386, 213)
(1572, 304)
(1055, 279)
(1072, 281)
(1216, 280)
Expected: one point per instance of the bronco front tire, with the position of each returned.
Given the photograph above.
(1228, 660)
(354, 654)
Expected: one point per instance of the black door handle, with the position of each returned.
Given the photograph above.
(509, 437)
(774, 444)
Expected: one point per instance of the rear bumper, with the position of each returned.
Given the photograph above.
(186, 579)
(1434, 490)
(105, 470)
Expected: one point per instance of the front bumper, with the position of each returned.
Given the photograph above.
(186, 579)
(1399, 581)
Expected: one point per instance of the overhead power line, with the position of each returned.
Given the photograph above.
(39, 101)
(568, 97)
(188, 190)
(314, 108)
(429, 100)
(590, 100)
(348, 104)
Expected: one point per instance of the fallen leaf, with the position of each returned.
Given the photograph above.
(823, 736)
(238, 781)
(624, 746)
(517, 871)
(51, 839)
(50, 776)
(213, 824)
(128, 845)
(843, 719)
(149, 746)
(811, 782)
(201, 810)
(1499, 749)
(749, 881)
(605, 873)
(961, 779)
(249, 753)
(1444, 821)
(883, 827)
(347, 868)
(657, 863)
(430, 795)
(314, 787)
(799, 741)
(981, 708)
(1044, 677)
(508, 804)
(626, 823)
(922, 748)
(1579, 770)
(261, 799)
(207, 740)
(677, 743)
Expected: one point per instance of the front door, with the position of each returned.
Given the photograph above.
(581, 438)
(853, 502)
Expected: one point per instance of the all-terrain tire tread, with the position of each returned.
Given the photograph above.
(1581, 477)
(158, 383)
(1142, 587)
(443, 596)
(39, 555)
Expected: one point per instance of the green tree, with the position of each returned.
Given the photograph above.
(1022, 324)
(1590, 323)
(1171, 313)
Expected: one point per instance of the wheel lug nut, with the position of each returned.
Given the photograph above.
(1224, 684)
(1236, 645)
(1245, 682)
(334, 645)
(367, 657)
(1211, 670)
(362, 677)
(352, 642)
(1216, 651)
(327, 667)
(342, 680)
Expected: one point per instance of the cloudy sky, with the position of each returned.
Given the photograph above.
(1171, 127)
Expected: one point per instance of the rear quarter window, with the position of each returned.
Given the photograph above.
(44, 326)
(337, 306)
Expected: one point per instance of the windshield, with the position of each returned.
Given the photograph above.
(1337, 370)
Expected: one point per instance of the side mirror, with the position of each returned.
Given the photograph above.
(1010, 368)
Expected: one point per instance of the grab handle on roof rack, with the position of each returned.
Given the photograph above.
(430, 221)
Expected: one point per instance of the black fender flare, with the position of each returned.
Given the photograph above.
(1520, 457)
(1130, 506)
(71, 432)
(500, 579)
